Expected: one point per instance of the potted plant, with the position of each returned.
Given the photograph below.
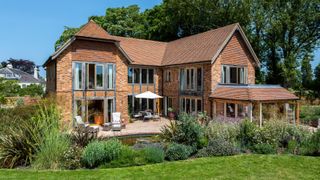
(98, 117)
(171, 113)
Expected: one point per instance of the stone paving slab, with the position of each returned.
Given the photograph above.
(137, 127)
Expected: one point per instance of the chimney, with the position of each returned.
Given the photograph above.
(9, 66)
(36, 72)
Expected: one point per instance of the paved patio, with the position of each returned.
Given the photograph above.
(137, 127)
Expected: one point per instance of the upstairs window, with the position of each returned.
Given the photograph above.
(77, 76)
(99, 76)
(140, 75)
(168, 76)
(191, 79)
(234, 75)
(110, 76)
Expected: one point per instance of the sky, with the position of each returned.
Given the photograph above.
(30, 28)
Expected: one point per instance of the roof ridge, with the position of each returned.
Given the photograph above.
(139, 39)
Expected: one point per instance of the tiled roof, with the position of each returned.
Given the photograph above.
(252, 93)
(93, 30)
(142, 52)
(192, 49)
(197, 48)
(22, 76)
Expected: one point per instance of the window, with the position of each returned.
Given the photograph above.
(151, 76)
(231, 110)
(99, 76)
(78, 76)
(168, 76)
(130, 75)
(136, 75)
(199, 105)
(233, 75)
(110, 110)
(91, 76)
(190, 105)
(144, 75)
(191, 79)
(110, 76)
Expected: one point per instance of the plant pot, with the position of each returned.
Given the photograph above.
(98, 119)
(171, 115)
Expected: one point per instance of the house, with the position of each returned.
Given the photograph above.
(24, 79)
(94, 74)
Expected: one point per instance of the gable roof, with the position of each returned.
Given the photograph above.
(252, 93)
(19, 75)
(202, 47)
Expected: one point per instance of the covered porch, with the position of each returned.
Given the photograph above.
(258, 103)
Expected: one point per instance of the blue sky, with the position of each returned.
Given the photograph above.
(30, 28)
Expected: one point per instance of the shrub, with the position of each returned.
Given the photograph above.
(98, 153)
(264, 148)
(226, 131)
(218, 147)
(82, 136)
(20, 141)
(153, 154)
(50, 154)
(178, 152)
(247, 134)
(186, 130)
(310, 114)
(71, 158)
(312, 145)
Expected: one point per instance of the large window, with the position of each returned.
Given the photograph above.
(97, 76)
(191, 79)
(234, 75)
(138, 75)
(168, 76)
(190, 105)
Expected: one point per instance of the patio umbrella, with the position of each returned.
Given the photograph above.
(149, 95)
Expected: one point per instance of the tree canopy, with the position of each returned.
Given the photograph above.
(283, 33)
(22, 64)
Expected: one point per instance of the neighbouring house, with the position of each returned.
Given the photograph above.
(95, 73)
(24, 79)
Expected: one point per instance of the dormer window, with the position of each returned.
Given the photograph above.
(234, 75)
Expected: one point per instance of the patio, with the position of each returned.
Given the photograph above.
(138, 127)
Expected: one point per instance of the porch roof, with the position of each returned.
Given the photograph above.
(252, 93)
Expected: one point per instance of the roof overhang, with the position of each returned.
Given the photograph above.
(71, 40)
(252, 93)
(244, 37)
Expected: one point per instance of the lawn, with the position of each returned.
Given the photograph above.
(232, 167)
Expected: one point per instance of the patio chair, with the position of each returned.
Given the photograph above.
(116, 121)
(80, 123)
(148, 116)
(139, 115)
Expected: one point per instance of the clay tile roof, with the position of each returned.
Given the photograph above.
(197, 48)
(143, 52)
(252, 93)
(93, 30)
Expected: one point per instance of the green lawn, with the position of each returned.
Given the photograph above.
(232, 167)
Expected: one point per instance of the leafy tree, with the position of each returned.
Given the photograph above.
(306, 72)
(8, 88)
(67, 34)
(317, 80)
(22, 64)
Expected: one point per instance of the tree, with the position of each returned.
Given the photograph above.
(306, 72)
(316, 84)
(66, 34)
